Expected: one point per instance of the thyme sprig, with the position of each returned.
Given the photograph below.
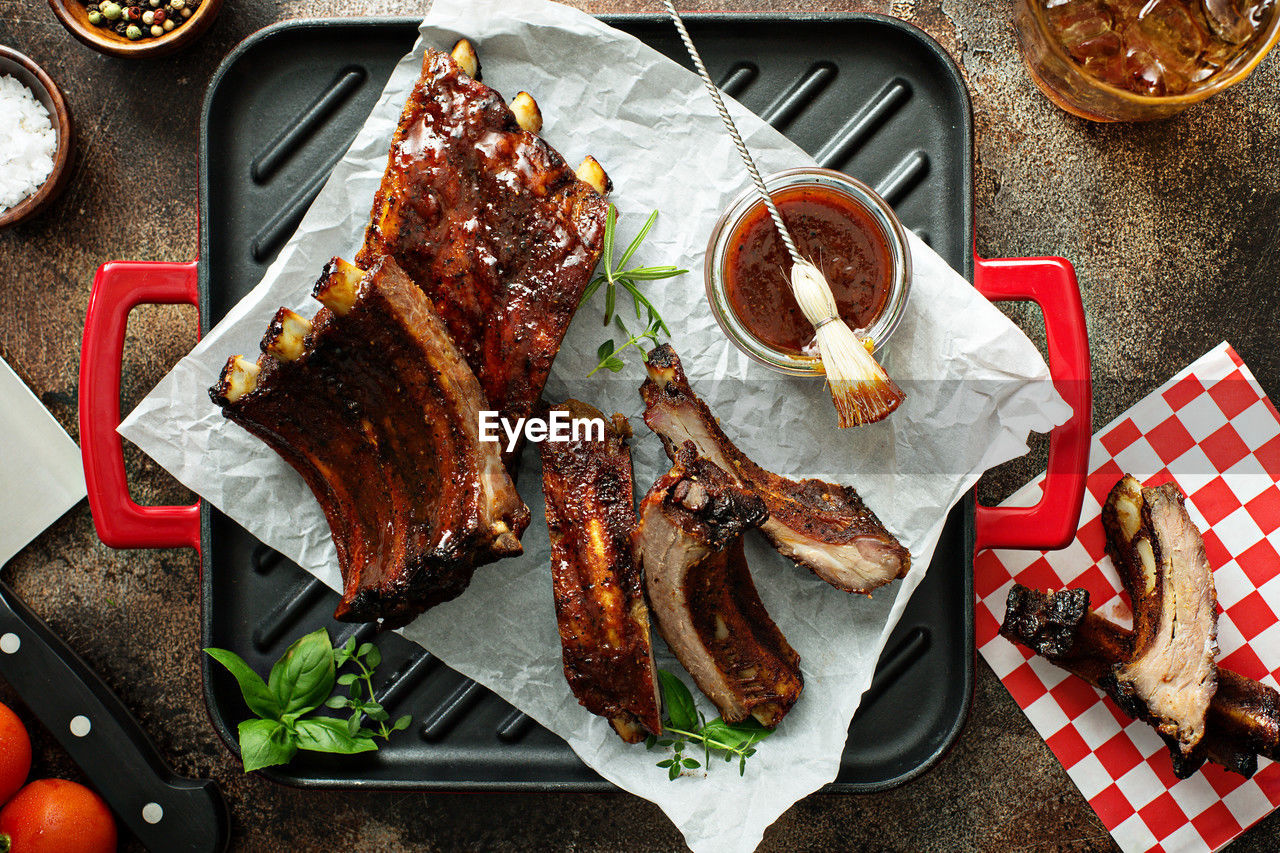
(684, 724)
(360, 684)
(612, 276)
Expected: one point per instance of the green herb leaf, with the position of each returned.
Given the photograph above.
(257, 695)
(304, 676)
(326, 734)
(610, 277)
(402, 723)
(265, 743)
(336, 702)
(347, 678)
(679, 701)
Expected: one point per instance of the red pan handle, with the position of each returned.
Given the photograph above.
(118, 287)
(1051, 284)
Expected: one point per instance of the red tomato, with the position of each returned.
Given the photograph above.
(56, 816)
(15, 754)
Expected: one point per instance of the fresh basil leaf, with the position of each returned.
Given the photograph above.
(265, 743)
(303, 678)
(326, 734)
(257, 695)
(679, 701)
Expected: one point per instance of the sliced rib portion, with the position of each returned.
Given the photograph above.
(1243, 719)
(600, 606)
(822, 526)
(377, 410)
(491, 223)
(704, 601)
(1171, 676)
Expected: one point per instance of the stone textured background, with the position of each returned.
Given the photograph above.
(1174, 230)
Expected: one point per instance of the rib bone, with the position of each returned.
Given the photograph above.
(379, 414)
(823, 526)
(599, 594)
(1171, 676)
(286, 335)
(703, 599)
(464, 53)
(1243, 720)
(526, 111)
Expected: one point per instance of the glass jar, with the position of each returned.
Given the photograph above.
(890, 231)
(1067, 83)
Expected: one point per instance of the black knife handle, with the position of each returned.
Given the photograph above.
(165, 811)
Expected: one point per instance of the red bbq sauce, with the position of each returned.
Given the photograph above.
(831, 229)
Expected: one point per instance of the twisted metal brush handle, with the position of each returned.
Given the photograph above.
(733, 132)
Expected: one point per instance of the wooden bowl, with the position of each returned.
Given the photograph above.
(75, 17)
(46, 91)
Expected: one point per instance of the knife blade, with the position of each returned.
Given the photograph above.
(40, 479)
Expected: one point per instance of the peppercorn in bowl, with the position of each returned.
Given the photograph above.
(136, 28)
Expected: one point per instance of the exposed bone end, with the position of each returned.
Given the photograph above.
(286, 336)
(528, 116)
(464, 53)
(769, 714)
(336, 288)
(239, 377)
(592, 173)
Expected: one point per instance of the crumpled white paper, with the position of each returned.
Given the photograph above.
(980, 387)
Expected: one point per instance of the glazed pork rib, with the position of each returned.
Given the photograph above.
(1170, 677)
(689, 542)
(1243, 719)
(822, 526)
(599, 596)
(490, 222)
(377, 410)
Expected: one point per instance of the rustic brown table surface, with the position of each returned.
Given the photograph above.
(1174, 229)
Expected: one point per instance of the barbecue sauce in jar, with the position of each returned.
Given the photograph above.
(831, 229)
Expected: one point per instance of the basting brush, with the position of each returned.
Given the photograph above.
(862, 392)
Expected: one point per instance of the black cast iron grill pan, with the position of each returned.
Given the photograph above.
(869, 95)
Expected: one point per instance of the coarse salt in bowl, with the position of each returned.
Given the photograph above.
(28, 143)
(35, 138)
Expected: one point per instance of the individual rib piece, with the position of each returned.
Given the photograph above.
(1243, 720)
(1171, 676)
(707, 609)
(491, 223)
(822, 526)
(377, 410)
(600, 606)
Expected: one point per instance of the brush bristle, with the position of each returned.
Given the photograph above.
(862, 392)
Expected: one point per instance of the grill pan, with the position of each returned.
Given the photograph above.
(869, 95)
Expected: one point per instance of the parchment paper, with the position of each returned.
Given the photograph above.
(976, 386)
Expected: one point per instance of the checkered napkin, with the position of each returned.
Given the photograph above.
(1211, 429)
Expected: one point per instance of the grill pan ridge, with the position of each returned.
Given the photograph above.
(868, 95)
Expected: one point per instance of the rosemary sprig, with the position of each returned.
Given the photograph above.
(612, 276)
(683, 724)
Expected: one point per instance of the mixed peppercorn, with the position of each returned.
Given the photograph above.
(135, 19)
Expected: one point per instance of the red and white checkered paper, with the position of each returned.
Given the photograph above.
(1212, 430)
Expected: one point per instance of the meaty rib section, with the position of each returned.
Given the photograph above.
(1243, 719)
(823, 526)
(704, 602)
(492, 224)
(1171, 676)
(377, 410)
(599, 597)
